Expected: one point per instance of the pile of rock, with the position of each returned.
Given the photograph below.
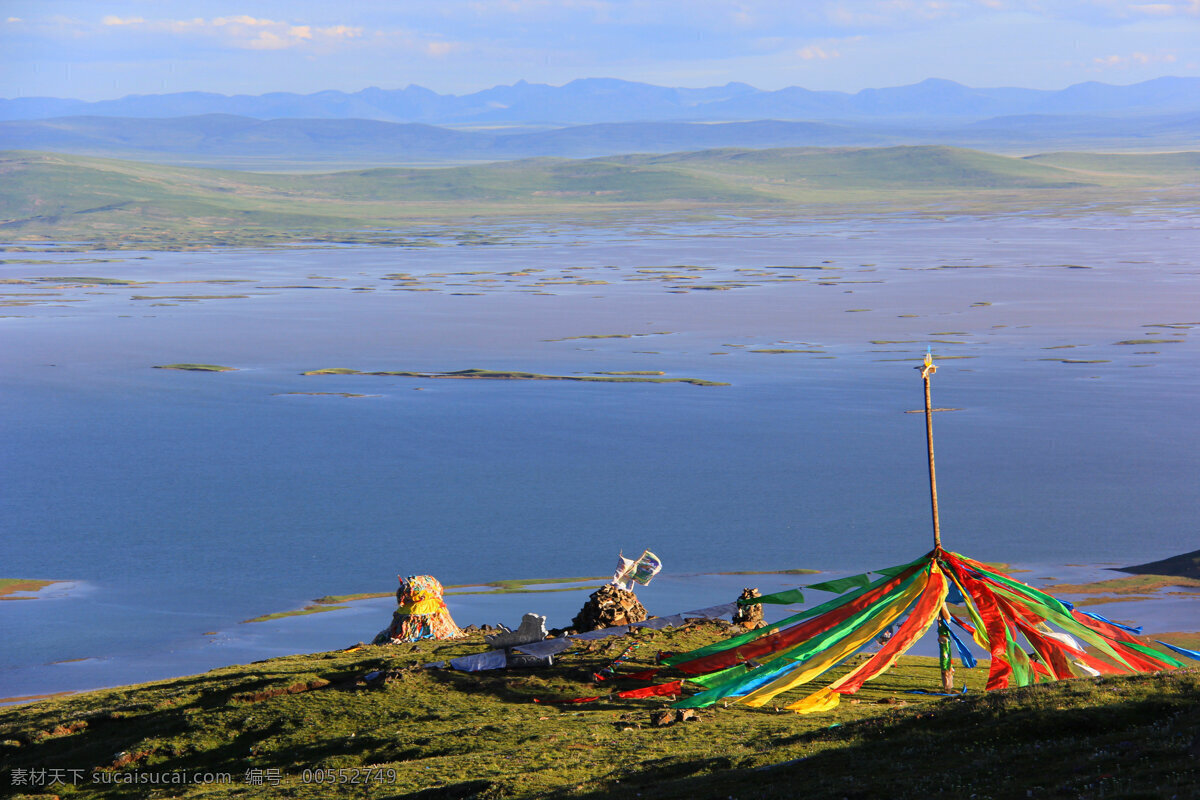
(751, 616)
(609, 606)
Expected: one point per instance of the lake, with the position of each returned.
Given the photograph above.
(179, 503)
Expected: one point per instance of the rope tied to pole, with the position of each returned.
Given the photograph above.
(928, 368)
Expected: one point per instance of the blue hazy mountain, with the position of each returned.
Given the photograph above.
(231, 140)
(598, 100)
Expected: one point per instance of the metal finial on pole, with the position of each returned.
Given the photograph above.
(927, 369)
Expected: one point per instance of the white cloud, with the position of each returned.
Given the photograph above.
(1135, 59)
(1091, 9)
(401, 41)
(242, 19)
(440, 49)
(268, 40)
(340, 32)
(898, 13)
(815, 52)
(241, 30)
(528, 7)
(903, 13)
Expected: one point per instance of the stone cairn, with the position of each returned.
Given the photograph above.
(609, 606)
(749, 617)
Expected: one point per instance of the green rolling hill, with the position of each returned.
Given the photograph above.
(1176, 166)
(920, 167)
(48, 195)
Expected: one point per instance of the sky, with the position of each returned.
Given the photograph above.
(96, 49)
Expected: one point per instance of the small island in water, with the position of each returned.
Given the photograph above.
(197, 367)
(508, 375)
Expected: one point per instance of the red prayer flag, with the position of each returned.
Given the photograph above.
(791, 636)
(672, 688)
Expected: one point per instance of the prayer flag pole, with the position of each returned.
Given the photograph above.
(927, 369)
(944, 662)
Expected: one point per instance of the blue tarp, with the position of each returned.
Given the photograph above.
(495, 659)
(492, 659)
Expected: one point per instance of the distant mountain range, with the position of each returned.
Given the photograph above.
(244, 142)
(605, 100)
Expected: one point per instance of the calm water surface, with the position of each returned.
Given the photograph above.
(182, 502)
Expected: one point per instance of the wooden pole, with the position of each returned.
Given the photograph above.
(944, 658)
(927, 369)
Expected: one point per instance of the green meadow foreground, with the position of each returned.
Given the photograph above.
(66, 198)
(371, 723)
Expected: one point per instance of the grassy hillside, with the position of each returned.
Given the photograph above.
(45, 191)
(535, 180)
(924, 167)
(53, 196)
(437, 734)
(1177, 166)
(221, 139)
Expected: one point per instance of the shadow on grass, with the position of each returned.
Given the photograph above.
(1072, 739)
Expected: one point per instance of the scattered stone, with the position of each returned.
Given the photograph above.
(721, 625)
(686, 715)
(662, 717)
(751, 616)
(609, 606)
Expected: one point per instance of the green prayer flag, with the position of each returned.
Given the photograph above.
(781, 598)
(828, 605)
(842, 584)
(793, 657)
(720, 676)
